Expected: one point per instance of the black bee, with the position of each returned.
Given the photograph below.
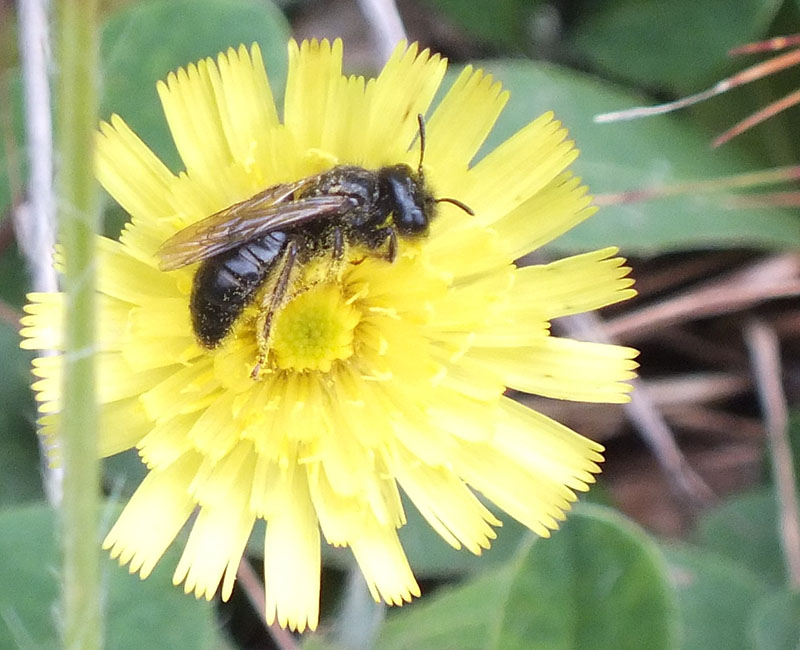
(264, 237)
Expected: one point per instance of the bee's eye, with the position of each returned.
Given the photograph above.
(407, 202)
(409, 219)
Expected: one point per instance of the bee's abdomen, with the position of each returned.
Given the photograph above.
(226, 283)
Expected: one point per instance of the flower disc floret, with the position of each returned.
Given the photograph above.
(314, 330)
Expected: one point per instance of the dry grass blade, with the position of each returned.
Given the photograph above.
(746, 76)
(658, 435)
(770, 45)
(721, 184)
(765, 352)
(787, 199)
(778, 106)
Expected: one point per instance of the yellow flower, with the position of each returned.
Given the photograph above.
(382, 376)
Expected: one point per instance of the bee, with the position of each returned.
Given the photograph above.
(265, 237)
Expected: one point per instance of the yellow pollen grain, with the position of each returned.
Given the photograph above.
(315, 329)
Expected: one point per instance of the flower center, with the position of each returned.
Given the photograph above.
(314, 330)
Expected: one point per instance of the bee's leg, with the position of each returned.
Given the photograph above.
(391, 253)
(338, 244)
(335, 271)
(271, 302)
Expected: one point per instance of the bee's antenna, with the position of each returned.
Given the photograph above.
(458, 204)
(421, 122)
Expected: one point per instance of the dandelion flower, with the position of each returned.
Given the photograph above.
(382, 378)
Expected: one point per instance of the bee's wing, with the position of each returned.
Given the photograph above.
(263, 213)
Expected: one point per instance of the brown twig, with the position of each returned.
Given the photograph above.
(254, 588)
(674, 273)
(776, 277)
(765, 353)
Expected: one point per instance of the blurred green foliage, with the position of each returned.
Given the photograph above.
(139, 614)
(687, 52)
(500, 24)
(588, 587)
(600, 582)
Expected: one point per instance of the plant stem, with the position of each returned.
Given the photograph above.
(76, 119)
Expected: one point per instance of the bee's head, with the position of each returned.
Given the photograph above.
(411, 204)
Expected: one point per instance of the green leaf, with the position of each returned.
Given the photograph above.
(140, 614)
(794, 442)
(745, 530)
(681, 44)
(635, 155)
(598, 583)
(500, 23)
(20, 478)
(145, 41)
(13, 271)
(776, 624)
(455, 617)
(716, 598)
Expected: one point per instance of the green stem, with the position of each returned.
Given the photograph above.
(76, 120)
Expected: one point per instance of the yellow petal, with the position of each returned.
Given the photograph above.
(446, 503)
(153, 517)
(404, 89)
(462, 120)
(292, 559)
(246, 110)
(385, 567)
(519, 168)
(565, 369)
(573, 285)
(219, 534)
